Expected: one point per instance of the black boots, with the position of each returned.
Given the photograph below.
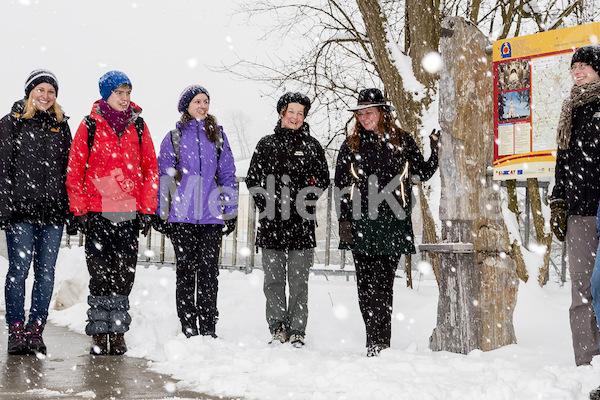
(99, 344)
(22, 340)
(34, 338)
(117, 344)
(17, 339)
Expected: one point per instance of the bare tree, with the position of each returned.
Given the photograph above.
(238, 125)
(347, 46)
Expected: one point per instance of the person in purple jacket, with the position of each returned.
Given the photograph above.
(203, 207)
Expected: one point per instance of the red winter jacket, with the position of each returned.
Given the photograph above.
(114, 177)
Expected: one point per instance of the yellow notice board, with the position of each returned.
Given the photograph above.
(531, 80)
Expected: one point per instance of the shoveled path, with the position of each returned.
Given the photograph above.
(69, 372)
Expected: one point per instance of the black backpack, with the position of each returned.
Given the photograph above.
(90, 123)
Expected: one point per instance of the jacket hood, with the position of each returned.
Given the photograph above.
(18, 107)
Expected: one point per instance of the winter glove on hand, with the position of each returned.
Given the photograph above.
(4, 224)
(82, 222)
(434, 139)
(558, 219)
(160, 225)
(346, 232)
(230, 225)
(71, 225)
(145, 223)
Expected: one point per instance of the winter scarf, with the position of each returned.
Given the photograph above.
(580, 95)
(118, 120)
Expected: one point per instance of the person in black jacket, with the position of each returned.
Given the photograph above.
(373, 195)
(34, 149)
(287, 174)
(576, 194)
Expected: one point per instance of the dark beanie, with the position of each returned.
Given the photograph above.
(110, 81)
(40, 76)
(588, 54)
(188, 95)
(291, 97)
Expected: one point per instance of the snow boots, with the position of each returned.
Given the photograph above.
(17, 339)
(117, 344)
(374, 349)
(280, 334)
(34, 338)
(99, 344)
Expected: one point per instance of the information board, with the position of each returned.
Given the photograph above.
(531, 79)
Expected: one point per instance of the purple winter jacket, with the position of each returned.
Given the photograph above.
(197, 199)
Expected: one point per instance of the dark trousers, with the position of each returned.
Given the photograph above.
(111, 255)
(197, 250)
(375, 281)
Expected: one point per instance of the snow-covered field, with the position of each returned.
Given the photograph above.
(333, 364)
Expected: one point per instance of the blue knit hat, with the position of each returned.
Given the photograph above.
(188, 95)
(110, 81)
(38, 76)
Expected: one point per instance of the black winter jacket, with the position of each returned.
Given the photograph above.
(577, 172)
(390, 231)
(299, 156)
(33, 167)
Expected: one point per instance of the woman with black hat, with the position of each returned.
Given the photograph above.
(576, 194)
(34, 148)
(287, 174)
(372, 179)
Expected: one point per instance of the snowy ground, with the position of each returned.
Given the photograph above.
(333, 364)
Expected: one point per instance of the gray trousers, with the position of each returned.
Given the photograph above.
(293, 313)
(582, 243)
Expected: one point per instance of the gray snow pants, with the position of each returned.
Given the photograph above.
(296, 265)
(582, 243)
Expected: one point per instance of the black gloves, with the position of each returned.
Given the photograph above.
(82, 222)
(230, 225)
(434, 139)
(346, 232)
(71, 224)
(145, 221)
(558, 219)
(160, 225)
(4, 224)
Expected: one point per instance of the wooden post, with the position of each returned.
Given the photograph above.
(477, 289)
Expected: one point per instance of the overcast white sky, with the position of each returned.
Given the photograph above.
(162, 47)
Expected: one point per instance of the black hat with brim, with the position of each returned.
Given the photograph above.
(371, 97)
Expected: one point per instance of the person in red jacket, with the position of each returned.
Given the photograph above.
(112, 182)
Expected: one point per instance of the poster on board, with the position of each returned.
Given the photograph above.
(531, 79)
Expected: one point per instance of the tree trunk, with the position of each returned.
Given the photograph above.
(542, 238)
(407, 110)
(422, 32)
(478, 290)
(377, 29)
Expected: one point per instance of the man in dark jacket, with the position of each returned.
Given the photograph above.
(576, 194)
(288, 172)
